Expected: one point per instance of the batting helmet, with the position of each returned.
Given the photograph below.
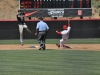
(64, 27)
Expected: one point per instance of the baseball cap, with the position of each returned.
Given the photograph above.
(19, 11)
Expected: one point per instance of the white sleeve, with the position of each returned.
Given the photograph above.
(68, 29)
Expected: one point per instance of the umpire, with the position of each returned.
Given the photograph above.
(41, 29)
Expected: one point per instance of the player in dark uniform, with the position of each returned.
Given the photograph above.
(22, 24)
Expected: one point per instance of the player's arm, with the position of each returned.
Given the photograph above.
(68, 23)
(24, 10)
(58, 32)
(69, 27)
(24, 13)
(47, 28)
(37, 29)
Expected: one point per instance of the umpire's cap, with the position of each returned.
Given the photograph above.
(40, 18)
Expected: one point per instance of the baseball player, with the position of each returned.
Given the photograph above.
(65, 35)
(21, 24)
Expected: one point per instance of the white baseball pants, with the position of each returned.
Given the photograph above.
(21, 31)
(63, 41)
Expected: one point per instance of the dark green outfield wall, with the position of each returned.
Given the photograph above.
(88, 28)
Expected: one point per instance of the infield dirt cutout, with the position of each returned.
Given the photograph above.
(95, 47)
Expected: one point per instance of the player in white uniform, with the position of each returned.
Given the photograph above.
(65, 35)
(21, 24)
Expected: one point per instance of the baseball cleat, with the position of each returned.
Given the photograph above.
(58, 45)
(41, 48)
(22, 43)
(67, 47)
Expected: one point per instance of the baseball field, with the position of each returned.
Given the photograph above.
(82, 59)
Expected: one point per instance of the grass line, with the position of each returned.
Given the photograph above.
(53, 41)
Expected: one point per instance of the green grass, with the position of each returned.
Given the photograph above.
(49, 62)
(53, 41)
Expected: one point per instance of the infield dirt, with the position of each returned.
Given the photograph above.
(95, 47)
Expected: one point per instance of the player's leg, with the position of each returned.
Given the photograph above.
(41, 40)
(65, 45)
(21, 33)
(26, 27)
(60, 44)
